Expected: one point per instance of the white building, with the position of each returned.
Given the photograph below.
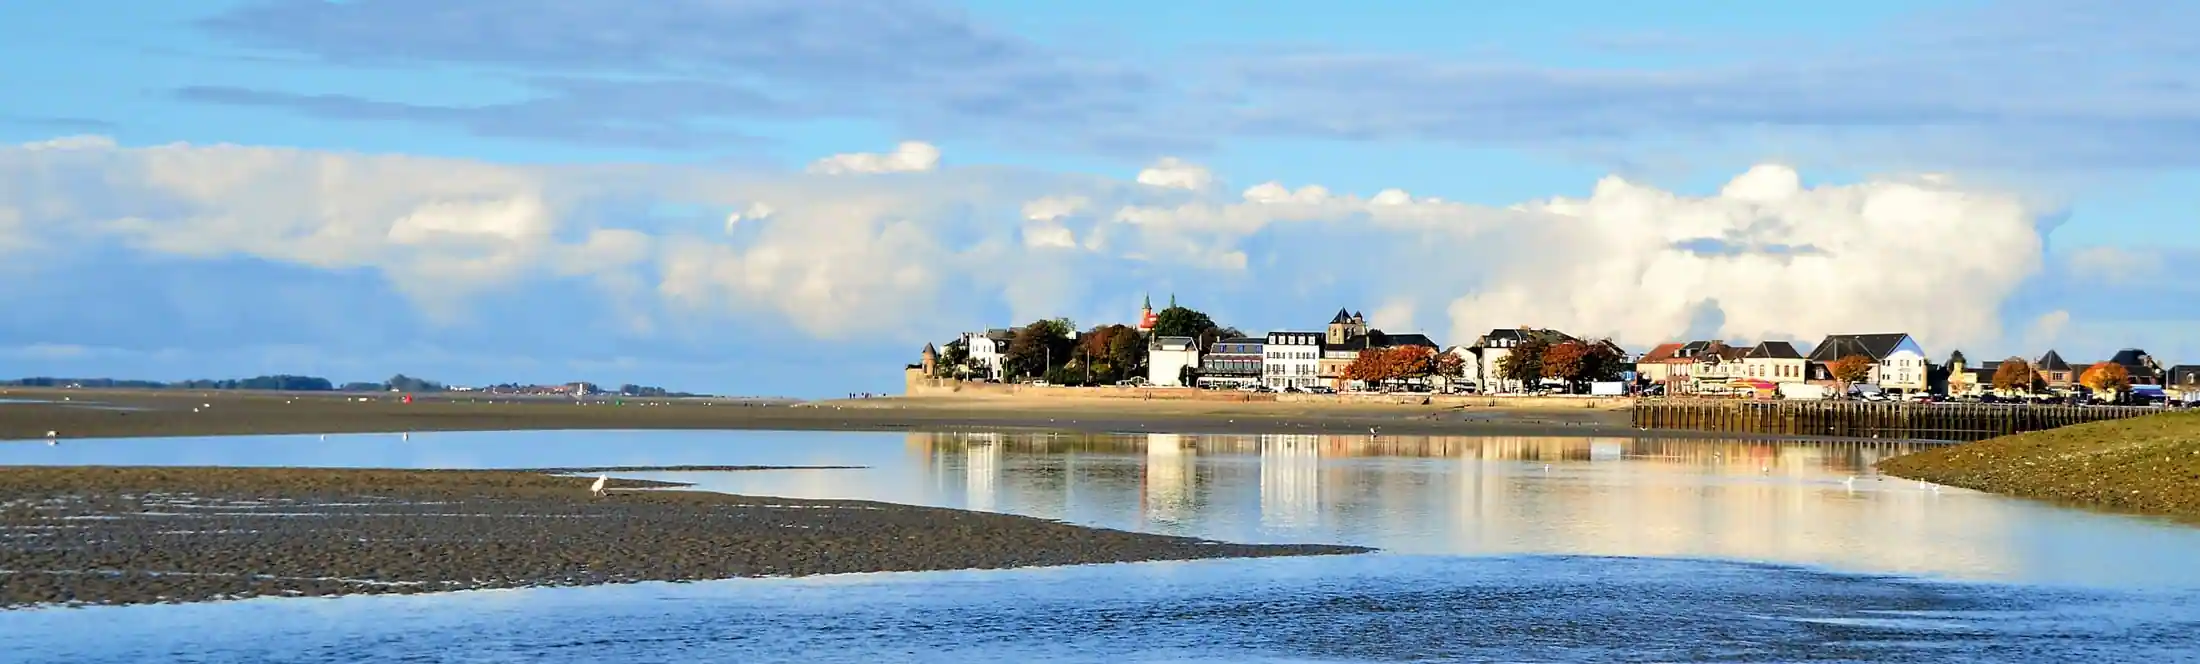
(986, 351)
(1470, 365)
(1292, 359)
(1775, 361)
(1168, 357)
(1898, 363)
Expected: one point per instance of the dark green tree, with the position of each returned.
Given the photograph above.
(1182, 322)
(1036, 348)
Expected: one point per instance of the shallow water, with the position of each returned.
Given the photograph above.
(1732, 550)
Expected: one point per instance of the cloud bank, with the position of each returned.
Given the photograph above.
(680, 253)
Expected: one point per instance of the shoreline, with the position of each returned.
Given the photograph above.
(173, 413)
(2144, 466)
(115, 535)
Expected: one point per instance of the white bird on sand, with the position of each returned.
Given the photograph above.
(597, 488)
(50, 434)
(1374, 430)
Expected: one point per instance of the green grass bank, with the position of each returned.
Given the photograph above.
(2146, 465)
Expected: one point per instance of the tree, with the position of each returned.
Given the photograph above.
(1127, 351)
(1181, 322)
(1605, 361)
(1411, 361)
(954, 359)
(1524, 364)
(2015, 375)
(1036, 348)
(1371, 366)
(2106, 378)
(1850, 370)
(1451, 367)
(1567, 361)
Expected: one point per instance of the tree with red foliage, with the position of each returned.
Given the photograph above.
(1372, 366)
(1411, 361)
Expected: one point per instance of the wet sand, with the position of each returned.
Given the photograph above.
(117, 414)
(134, 535)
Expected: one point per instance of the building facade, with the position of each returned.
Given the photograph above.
(1292, 360)
(1169, 358)
(986, 351)
(1898, 363)
(1233, 362)
(1774, 361)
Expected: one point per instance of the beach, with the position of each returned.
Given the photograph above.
(136, 413)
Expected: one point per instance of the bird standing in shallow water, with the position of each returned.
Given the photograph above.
(597, 488)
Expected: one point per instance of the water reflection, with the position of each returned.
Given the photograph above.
(1760, 500)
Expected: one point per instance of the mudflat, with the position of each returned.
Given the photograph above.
(2144, 465)
(30, 414)
(133, 535)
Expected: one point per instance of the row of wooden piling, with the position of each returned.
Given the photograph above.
(1866, 419)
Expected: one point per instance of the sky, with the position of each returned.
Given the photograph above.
(791, 197)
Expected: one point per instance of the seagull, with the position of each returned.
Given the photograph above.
(50, 436)
(1546, 468)
(405, 436)
(1851, 481)
(597, 488)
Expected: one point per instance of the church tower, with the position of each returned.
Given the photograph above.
(1146, 317)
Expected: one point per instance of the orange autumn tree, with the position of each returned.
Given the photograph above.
(2015, 375)
(1850, 370)
(1411, 361)
(2106, 378)
(1567, 361)
(1372, 366)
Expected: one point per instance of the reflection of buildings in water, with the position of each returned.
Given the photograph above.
(981, 475)
(1290, 474)
(1168, 477)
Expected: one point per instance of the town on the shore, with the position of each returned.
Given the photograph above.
(1179, 347)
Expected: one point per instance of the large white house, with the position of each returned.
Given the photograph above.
(1292, 359)
(986, 351)
(1168, 357)
(1898, 363)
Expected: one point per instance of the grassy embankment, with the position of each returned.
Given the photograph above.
(2146, 465)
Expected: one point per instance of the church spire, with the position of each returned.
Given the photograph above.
(1148, 303)
(1172, 300)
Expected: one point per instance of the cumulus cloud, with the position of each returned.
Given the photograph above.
(908, 157)
(910, 258)
(1173, 173)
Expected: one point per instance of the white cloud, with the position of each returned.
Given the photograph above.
(902, 258)
(2115, 266)
(908, 157)
(1172, 173)
(755, 212)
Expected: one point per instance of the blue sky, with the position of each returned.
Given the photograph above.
(540, 190)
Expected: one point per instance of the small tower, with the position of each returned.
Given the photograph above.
(1146, 316)
(929, 360)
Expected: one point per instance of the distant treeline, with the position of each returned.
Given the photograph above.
(281, 382)
(289, 383)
